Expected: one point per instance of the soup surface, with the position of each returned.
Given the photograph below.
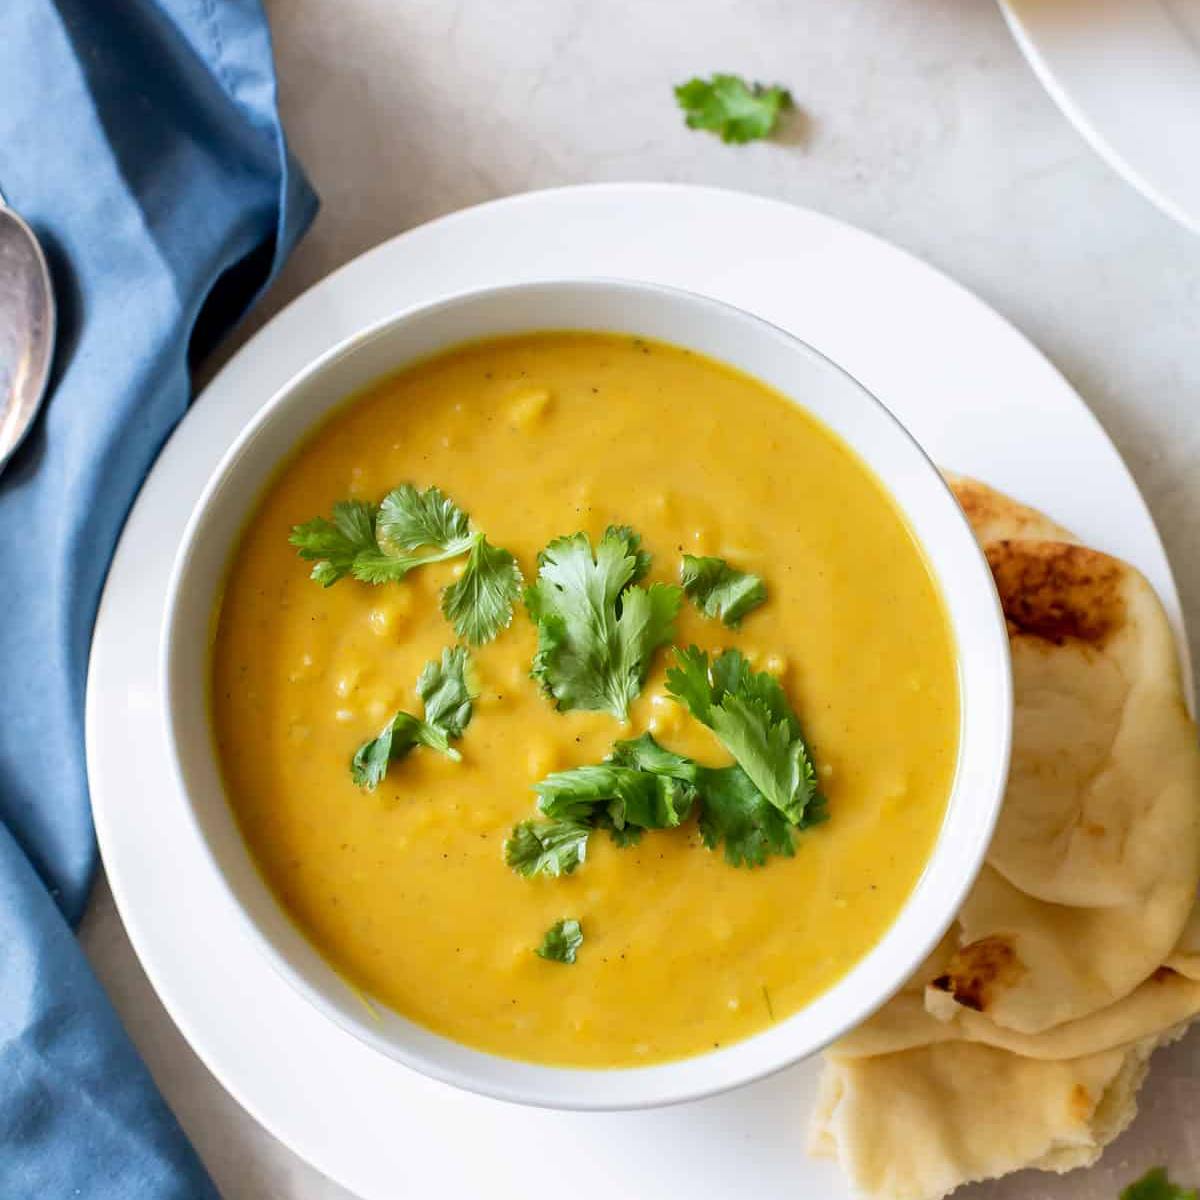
(405, 889)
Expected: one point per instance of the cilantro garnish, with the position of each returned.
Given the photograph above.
(597, 630)
(734, 813)
(551, 848)
(719, 590)
(1155, 1185)
(732, 810)
(480, 603)
(643, 786)
(616, 796)
(336, 545)
(381, 544)
(561, 941)
(445, 691)
(728, 105)
(750, 714)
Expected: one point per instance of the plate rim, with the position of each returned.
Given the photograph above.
(1142, 176)
(224, 1072)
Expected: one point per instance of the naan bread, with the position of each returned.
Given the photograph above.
(1023, 1039)
(1094, 864)
(1163, 1001)
(1029, 965)
(917, 1124)
(1185, 958)
(995, 516)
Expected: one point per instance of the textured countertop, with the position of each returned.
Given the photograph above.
(919, 121)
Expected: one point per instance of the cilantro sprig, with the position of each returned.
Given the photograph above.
(638, 786)
(411, 529)
(446, 692)
(1155, 1185)
(642, 786)
(749, 712)
(561, 941)
(719, 590)
(729, 106)
(597, 629)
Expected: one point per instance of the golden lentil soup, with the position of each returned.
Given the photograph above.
(405, 889)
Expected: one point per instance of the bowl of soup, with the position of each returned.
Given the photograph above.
(587, 693)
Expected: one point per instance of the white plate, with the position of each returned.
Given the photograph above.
(1127, 74)
(979, 397)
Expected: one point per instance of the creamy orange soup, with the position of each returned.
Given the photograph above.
(404, 889)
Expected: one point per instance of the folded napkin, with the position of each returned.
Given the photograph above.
(142, 142)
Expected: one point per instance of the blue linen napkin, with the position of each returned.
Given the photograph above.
(142, 141)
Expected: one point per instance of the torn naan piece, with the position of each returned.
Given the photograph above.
(1102, 800)
(1093, 869)
(1165, 1000)
(1185, 958)
(916, 1124)
(1028, 965)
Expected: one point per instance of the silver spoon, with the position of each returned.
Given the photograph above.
(27, 322)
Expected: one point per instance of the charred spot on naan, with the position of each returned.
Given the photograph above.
(1056, 591)
(976, 969)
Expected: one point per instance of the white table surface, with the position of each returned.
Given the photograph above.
(920, 122)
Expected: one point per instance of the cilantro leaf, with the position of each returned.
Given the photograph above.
(370, 762)
(623, 795)
(551, 848)
(560, 941)
(409, 519)
(732, 810)
(597, 630)
(735, 813)
(645, 754)
(333, 546)
(750, 714)
(1155, 1185)
(446, 691)
(728, 105)
(480, 603)
(719, 590)
(640, 786)
(410, 529)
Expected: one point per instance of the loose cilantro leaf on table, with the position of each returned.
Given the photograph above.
(551, 848)
(561, 941)
(597, 630)
(1155, 1185)
(445, 691)
(380, 545)
(729, 106)
(749, 712)
(719, 590)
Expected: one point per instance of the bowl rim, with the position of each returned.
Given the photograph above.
(967, 868)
